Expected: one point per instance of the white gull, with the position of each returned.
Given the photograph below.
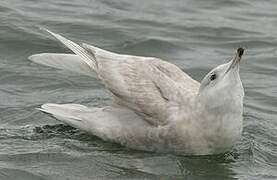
(157, 107)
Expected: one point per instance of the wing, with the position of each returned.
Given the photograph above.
(151, 87)
(70, 62)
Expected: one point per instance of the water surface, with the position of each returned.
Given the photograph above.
(195, 35)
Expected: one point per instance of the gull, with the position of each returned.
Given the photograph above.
(156, 106)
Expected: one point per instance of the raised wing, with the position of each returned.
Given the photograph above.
(151, 87)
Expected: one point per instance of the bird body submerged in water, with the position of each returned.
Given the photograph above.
(157, 107)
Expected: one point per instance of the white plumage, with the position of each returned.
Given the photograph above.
(157, 107)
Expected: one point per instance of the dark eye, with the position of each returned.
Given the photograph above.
(213, 77)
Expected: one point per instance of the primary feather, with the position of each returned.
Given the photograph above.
(70, 62)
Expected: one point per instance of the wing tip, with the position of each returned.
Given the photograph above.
(47, 30)
(44, 108)
(57, 111)
(34, 57)
(38, 58)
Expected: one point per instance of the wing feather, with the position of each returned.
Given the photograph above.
(149, 86)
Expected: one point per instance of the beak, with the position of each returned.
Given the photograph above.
(236, 59)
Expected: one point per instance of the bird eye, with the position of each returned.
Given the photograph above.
(213, 77)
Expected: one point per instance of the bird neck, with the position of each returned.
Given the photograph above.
(208, 111)
(220, 126)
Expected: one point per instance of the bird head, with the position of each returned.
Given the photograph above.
(222, 88)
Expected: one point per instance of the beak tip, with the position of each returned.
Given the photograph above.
(240, 51)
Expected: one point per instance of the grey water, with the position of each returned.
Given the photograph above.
(196, 35)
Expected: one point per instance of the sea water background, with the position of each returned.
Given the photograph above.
(196, 35)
